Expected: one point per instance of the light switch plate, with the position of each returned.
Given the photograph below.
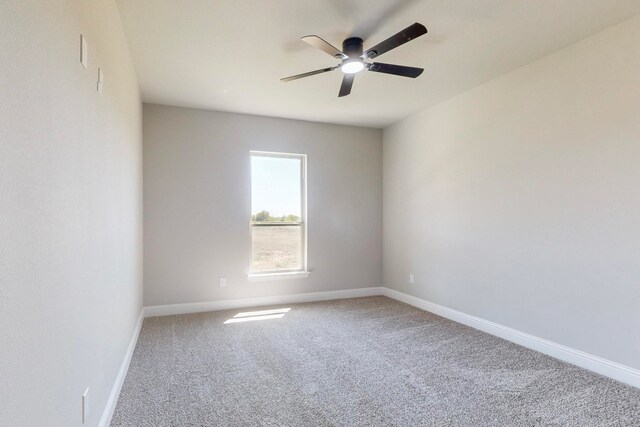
(223, 282)
(84, 52)
(85, 405)
(412, 278)
(100, 80)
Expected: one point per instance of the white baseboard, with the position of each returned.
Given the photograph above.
(122, 373)
(579, 358)
(230, 304)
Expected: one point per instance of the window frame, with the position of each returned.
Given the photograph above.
(289, 273)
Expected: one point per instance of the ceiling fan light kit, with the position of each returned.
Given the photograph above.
(354, 57)
(352, 67)
(353, 63)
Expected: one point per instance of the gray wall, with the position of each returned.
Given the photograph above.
(70, 210)
(197, 203)
(518, 201)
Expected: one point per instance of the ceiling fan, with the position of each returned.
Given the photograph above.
(354, 59)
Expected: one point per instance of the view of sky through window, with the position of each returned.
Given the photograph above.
(275, 186)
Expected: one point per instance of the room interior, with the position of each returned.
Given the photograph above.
(190, 237)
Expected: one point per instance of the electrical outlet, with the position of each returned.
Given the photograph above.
(412, 278)
(223, 282)
(85, 406)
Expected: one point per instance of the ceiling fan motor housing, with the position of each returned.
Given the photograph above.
(352, 47)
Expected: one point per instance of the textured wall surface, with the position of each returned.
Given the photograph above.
(518, 201)
(197, 202)
(70, 209)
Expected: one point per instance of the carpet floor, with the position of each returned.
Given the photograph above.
(355, 362)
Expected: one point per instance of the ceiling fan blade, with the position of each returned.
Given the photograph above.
(324, 46)
(310, 73)
(398, 70)
(345, 87)
(404, 36)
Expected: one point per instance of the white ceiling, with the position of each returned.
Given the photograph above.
(229, 55)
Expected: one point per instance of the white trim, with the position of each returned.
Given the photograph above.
(276, 154)
(122, 373)
(579, 358)
(230, 304)
(257, 277)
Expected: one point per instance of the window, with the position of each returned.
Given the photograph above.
(278, 213)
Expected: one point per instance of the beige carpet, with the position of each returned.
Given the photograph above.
(356, 362)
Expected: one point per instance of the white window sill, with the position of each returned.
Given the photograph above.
(256, 277)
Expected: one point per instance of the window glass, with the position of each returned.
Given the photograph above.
(277, 210)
